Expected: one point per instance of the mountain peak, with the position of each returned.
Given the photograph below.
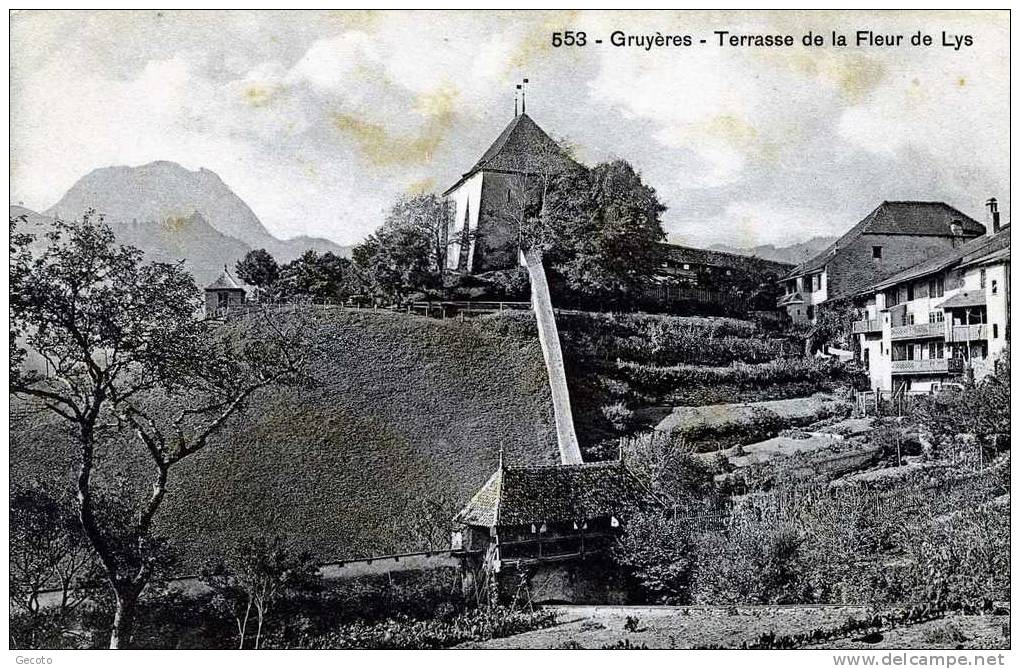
(163, 191)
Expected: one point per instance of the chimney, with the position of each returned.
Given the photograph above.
(993, 215)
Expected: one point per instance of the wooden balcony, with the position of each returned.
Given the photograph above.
(556, 548)
(864, 327)
(930, 366)
(962, 333)
(919, 331)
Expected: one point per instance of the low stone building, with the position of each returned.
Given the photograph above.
(546, 531)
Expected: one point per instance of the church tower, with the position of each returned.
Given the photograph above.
(483, 235)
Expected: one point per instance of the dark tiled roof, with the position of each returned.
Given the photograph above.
(972, 252)
(696, 256)
(898, 218)
(225, 282)
(524, 148)
(556, 493)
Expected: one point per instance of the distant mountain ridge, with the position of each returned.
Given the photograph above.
(191, 239)
(794, 254)
(182, 208)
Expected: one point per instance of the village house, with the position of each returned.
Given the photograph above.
(223, 294)
(548, 529)
(944, 319)
(892, 238)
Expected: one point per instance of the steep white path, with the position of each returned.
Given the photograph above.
(549, 338)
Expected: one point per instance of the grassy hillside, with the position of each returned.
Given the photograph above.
(403, 407)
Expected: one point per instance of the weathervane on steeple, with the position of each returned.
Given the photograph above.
(524, 93)
(515, 100)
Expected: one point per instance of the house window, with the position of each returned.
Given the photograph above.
(995, 330)
(995, 287)
(508, 196)
(983, 273)
(910, 291)
(937, 317)
(687, 266)
(876, 252)
(811, 312)
(936, 287)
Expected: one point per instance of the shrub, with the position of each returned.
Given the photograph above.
(962, 557)
(405, 633)
(660, 381)
(758, 560)
(619, 416)
(657, 553)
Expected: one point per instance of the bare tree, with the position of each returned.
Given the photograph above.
(124, 358)
(256, 577)
(48, 552)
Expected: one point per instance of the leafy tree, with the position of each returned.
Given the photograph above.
(407, 253)
(834, 324)
(257, 576)
(659, 552)
(258, 268)
(430, 216)
(394, 262)
(319, 277)
(609, 235)
(124, 361)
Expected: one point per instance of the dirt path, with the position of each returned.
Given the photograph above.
(702, 627)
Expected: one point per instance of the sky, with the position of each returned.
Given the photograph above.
(321, 120)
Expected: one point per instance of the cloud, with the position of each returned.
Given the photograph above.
(319, 121)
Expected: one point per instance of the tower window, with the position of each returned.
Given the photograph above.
(508, 196)
(876, 252)
(995, 330)
(983, 277)
(995, 287)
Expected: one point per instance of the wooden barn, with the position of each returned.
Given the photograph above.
(545, 532)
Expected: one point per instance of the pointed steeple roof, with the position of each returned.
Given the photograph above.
(225, 282)
(522, 148)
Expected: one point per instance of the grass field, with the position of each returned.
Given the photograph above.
(402, 408)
